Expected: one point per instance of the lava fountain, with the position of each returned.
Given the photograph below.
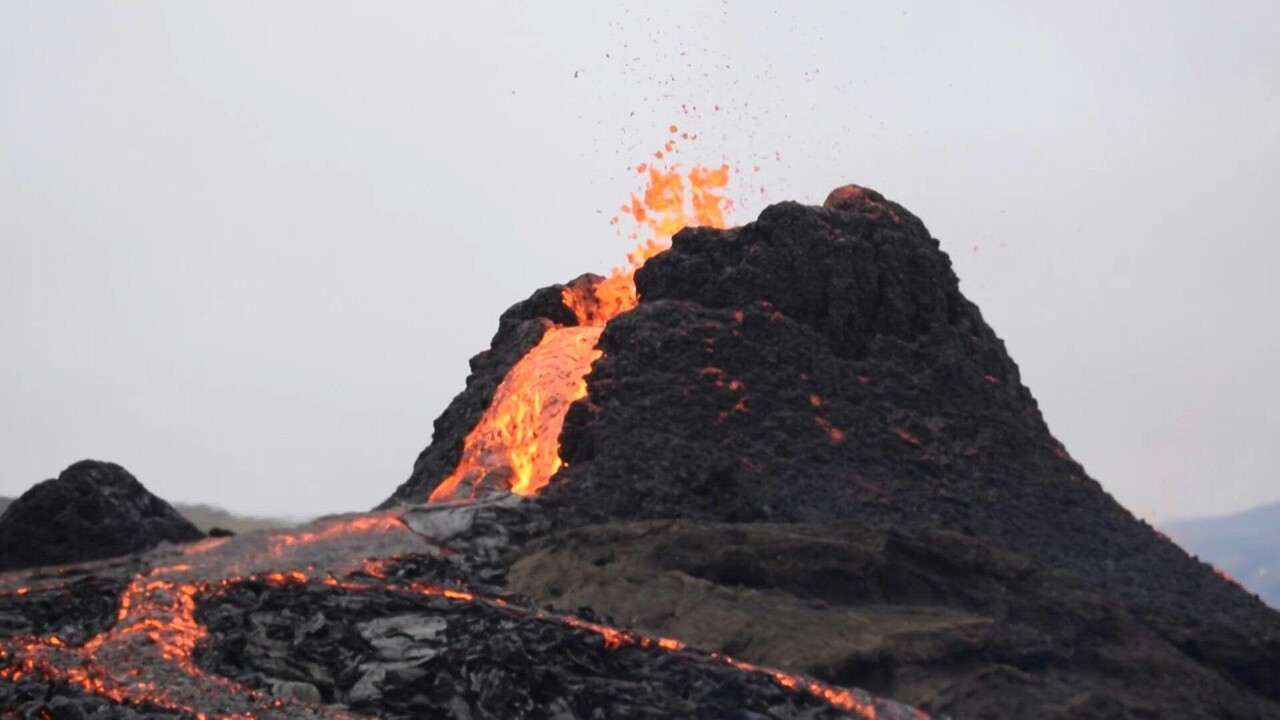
(516, 443)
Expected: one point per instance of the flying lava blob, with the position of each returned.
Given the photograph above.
(516, 443)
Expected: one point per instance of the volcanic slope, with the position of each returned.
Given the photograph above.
(819, 368)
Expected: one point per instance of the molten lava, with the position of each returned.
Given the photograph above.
(147, 657)
(516, 443)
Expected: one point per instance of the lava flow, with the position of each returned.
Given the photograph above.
(516, 443)
(147, 657)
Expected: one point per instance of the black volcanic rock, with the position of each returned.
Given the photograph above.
(415, 657)
(93, 510)
(821, 366)
(931, 618)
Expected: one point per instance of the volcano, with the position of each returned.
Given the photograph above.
(783, 470)
(815, 383)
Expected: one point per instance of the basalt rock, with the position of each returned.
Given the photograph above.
(93, 510)
(407, 657)
(934, 619)
(821, 366)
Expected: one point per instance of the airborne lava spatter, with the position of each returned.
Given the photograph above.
(516, 443)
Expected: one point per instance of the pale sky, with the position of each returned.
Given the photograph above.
(248, 247)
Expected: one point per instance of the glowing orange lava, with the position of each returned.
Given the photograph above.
(516, 443)
(148, 656)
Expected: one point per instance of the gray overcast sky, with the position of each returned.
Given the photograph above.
(248, 247)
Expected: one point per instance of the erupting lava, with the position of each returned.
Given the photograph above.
(147, 658)
(516, 443)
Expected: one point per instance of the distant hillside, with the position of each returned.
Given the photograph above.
(208, 516)
(1245, 545)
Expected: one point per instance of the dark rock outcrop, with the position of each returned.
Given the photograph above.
(821, 366)
(93, 510)
(934, 619)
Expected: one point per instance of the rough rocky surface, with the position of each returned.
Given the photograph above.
(393, 615)
(415, 656)
(931, 618)
(821, 366)
(93, 510)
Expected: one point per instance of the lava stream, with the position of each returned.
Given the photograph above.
(516, 443)
(147, 656)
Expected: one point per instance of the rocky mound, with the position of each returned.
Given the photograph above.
(821, 366)
(93, 510)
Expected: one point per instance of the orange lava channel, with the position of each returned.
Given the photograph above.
(516, 443)
(147, 657)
